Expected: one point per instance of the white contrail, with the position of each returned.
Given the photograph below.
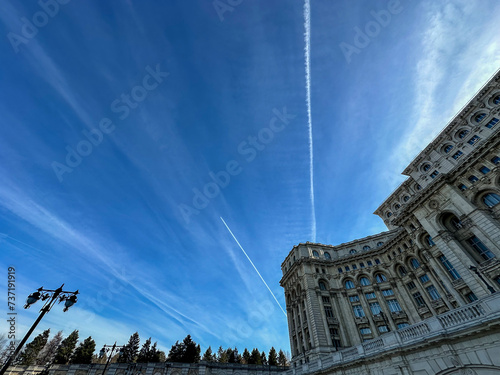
(307, 55)
(253, 265)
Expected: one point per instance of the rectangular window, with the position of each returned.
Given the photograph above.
(462, 187)
(354, 298)
(473, 140)
(471, 297)
(434, 174)
(411, 285)
(358, 311)
(370, 295)
(393, 305)
(480, 248)
(365, 331)
(497, 279)
(334, 332)
(424, 278)
(377, 261)
(362, 265)
(354, 267)
(387, 292)
(369, 263)
(347, 268)
(449, 267)
(433, 293)
(383, 329)
(375, 308)
(492, 123)
(328, 312)
(402, 325)
(325, 299)
(419, 299)
(340, 270)
(496, 160)
(457, 155)
(484, 170)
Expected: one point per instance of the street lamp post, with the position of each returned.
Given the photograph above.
(476, 271)
(110, 348)
(51, 296)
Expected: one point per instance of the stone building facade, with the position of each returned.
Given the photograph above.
(441, 252)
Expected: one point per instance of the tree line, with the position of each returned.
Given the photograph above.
(42, 351)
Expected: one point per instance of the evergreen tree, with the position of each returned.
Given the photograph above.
(186, 352)
(28, 356)
(255, 358)
(245, 358)
(66, 348)
(130, 350)
(282, 360)
(48, 353)
(273, 357)
(155, 354)
(233, 355)
(83, 354)
(222, 355)
(209, 356)
(263, 358)
(145, 352)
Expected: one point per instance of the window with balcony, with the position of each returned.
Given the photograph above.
(495, 160)
(471, 297)
(473, 178)
(457, 155)
(434, 174)
(433, 293)
(491, 199)
(480, 248)
(449, 267)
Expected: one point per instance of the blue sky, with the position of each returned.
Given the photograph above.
(185, 95)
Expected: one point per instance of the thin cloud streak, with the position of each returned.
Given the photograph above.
(307, 55)
(253, 265)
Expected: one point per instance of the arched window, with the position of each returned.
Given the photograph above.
(448, 148)
(402, 270)
(463, 133)
(366, 248)
(491, 199)
(364, 281)
(379, 244)
(315, 254)
(418, 187)
(480, 117)
(426, 167)
(327, 255)
(349, 284)
(380, 278)
(389, 214)
(414, 263)
(429, 241)
(397, 206)
(322, 285)
(406, 198)
(496, 100)
(352, 251)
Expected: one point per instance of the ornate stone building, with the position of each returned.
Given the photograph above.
(439, 258)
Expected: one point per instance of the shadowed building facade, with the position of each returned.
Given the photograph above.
(439, 258)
